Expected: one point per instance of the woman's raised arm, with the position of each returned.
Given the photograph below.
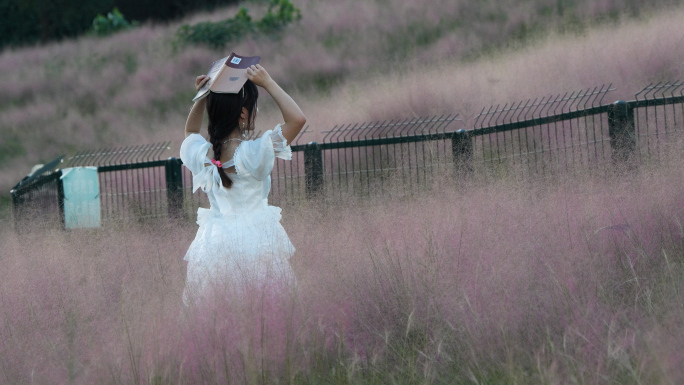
(292, 114)
(194, 122)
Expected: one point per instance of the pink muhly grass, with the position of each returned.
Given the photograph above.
(253, 337)
(539, 283)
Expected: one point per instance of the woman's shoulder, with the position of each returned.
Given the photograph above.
(193, 151)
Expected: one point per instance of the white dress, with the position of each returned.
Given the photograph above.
(240, 241)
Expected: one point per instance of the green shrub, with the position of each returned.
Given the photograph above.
(114, 22)
(274, 22)
(217, 35)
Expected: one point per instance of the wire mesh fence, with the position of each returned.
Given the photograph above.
(39, 204)
(139, 193)
(658, 118)
(377, 158)
(288, 181)
(132, 180)
(568, 133)
(535, 138)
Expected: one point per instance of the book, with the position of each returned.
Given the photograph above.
(227, 75)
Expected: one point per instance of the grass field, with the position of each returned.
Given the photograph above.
(578, 281)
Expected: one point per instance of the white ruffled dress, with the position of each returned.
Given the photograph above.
(240, 240)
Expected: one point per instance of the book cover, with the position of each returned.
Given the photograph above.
(227, 75)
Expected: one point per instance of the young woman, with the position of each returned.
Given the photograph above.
(240, 242)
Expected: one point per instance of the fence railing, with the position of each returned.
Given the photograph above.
(370, 158)
(561, 133)
(576, 131)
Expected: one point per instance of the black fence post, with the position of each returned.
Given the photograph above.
(313, 169)
(621, 131)
(462, 150)
(60, 199)
(174, 187)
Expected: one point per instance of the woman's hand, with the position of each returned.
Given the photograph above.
(292, 115)
(258, 75)
(200, 81)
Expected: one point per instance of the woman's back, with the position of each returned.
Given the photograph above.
(253, 161)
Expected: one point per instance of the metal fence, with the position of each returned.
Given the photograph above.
(564, 132)
(39, 198)
(134, 183)
(380, 157)
(576, 131)
(572, 132)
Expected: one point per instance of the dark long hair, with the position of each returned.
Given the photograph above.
(224, 117)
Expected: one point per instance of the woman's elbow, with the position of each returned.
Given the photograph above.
(301, 121)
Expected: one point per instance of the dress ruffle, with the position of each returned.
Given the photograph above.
(282, 149)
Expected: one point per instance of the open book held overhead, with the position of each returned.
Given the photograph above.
(227, 75)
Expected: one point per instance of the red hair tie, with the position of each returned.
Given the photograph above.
(216, 162)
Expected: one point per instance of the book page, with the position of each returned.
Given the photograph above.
(213, 73)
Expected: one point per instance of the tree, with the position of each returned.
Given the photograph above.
(30, 21)
(64, 18)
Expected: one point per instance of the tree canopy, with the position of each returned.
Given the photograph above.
(32, 21)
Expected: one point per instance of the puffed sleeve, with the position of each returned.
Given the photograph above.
(280, 146)
(257, 157)
(193, 152)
